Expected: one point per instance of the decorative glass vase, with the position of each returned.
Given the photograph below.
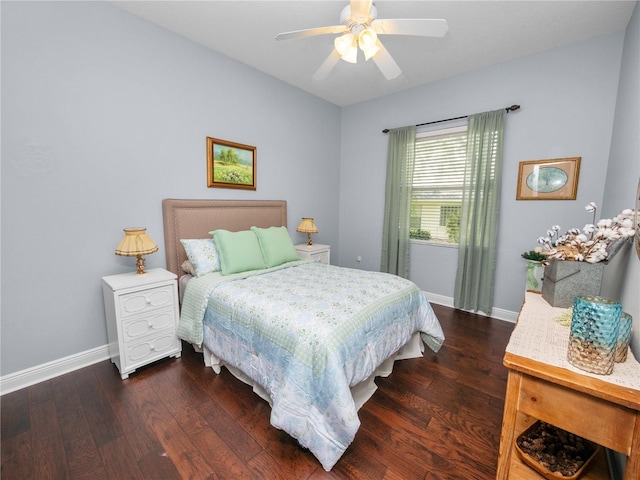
(624, 337)
(594, 333)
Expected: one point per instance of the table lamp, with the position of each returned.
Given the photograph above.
(136, 243)
(307, 226)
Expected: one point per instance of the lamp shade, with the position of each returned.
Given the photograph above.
(307, 226)
(347, 46)
(136, 243)
(368, 42)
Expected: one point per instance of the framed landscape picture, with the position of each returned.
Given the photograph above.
(230, 165)
(555, 179)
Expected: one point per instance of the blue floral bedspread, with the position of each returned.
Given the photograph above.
(307, 332)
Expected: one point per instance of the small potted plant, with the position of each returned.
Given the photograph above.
(535, 268)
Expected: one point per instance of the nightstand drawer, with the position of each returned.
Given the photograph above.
(146, 300)
(142, 325)
(150, 349)
(316, 252)
(320, 257)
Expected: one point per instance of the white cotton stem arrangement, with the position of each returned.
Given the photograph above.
(593, 243)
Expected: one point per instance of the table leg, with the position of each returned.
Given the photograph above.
(507, 437)
(632, 470)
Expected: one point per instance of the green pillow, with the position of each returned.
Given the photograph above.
(238, 251)
(276, 245)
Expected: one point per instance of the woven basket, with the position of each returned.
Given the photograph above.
(540, 468)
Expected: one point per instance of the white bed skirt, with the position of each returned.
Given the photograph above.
(361, 392)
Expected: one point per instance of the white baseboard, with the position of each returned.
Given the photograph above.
(40, 373)
(499, 313)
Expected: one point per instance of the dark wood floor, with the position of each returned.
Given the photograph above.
(436, 417)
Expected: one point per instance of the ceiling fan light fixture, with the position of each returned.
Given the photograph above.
(359, 29)
(347, 47)
(367, 38)
(368, 42)
(371, 52)
(352, 56)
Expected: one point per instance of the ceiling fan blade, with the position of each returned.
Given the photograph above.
(360, 8)
(327, 65)
(386, 63)
(310, 32)
(423, 27)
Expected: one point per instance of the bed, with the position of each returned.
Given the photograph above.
(309, 338)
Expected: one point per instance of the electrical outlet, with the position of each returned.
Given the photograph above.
(359, 259)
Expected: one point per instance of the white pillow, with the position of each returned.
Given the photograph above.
(187, 267)
(202, 254)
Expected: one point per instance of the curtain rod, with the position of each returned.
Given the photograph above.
(512, 108)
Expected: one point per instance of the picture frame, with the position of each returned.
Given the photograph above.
(230, 164)
(552, 179)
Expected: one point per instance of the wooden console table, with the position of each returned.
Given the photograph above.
(543, 385)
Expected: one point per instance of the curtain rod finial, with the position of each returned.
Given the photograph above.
(513, 108)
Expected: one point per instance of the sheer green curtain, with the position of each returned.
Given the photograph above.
(397, 205)
(480, 210)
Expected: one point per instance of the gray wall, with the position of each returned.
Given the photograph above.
(568, 98)
(622, 275)
(103, 116)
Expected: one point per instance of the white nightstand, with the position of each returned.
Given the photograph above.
(142, 318)
(316, 252)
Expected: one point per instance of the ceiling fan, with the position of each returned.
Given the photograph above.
(360, 28)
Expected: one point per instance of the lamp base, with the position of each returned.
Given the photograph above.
(309, 242)
(140, 265)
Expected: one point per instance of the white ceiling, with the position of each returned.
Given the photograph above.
(481, 33)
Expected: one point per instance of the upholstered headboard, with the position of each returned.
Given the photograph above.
(196, 218)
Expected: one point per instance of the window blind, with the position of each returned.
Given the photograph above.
(440, 160)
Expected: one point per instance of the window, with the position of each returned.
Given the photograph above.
(448, 211)
(438, 176)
